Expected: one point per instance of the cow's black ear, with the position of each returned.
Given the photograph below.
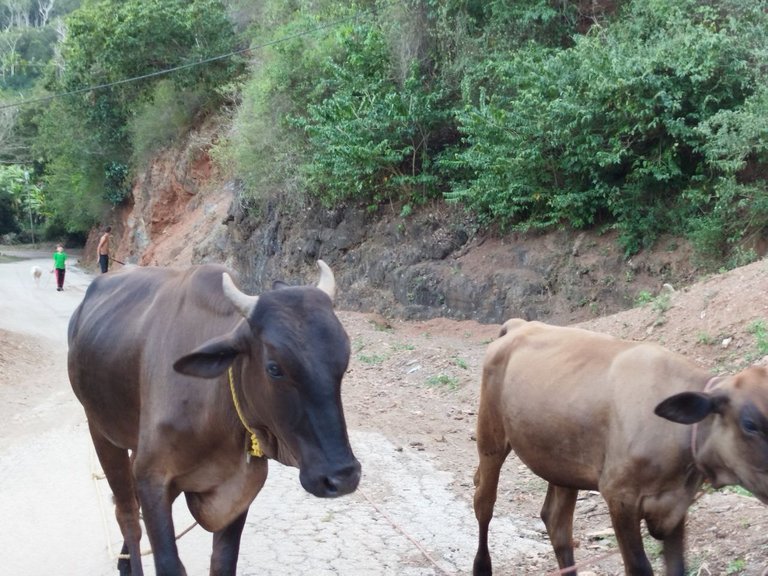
(209, 360)
(278, 284)
(686, 407)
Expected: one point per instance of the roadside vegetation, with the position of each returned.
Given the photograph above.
(644, 117)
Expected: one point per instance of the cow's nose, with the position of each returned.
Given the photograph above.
(342, 481)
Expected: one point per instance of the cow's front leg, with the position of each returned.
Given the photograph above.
(673, 538)
(626, 525)
(116, 464)
(226, 547)
(674, 551)
(156, 499)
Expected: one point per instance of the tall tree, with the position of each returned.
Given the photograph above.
(124, 49)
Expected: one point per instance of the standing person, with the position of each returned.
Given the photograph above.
(59, 266)
(103, 249)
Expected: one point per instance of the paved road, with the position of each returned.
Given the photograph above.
(403, 521)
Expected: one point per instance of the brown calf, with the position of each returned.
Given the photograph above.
(577, 407)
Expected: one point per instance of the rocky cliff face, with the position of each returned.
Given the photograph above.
(432, 263)
(175, 212)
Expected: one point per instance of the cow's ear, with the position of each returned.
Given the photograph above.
(687, 407)
(209, 360)
(279, 284)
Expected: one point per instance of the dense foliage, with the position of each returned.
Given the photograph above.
(357, 101)
(28, 35)
(644, 117)
(371, 136)
(607, 131)
(19, 199)
(87, 140)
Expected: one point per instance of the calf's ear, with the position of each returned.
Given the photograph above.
(209, 360)
(687, 407)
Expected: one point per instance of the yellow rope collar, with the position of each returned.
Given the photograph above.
(255, 449)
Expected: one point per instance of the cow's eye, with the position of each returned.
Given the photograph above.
(273, 369)
(749, 426)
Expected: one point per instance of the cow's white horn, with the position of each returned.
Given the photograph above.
(244, 303)
(327, 281)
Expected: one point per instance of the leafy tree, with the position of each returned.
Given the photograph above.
(22, 203)
(9, 205)
(110, 42)
(75, 168)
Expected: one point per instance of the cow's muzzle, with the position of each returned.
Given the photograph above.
(338, 483)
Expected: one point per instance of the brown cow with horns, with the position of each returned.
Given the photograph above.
(578, 407)
(153, 353)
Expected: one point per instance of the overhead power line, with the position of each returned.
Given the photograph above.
(189, 65)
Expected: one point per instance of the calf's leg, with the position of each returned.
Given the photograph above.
(486, 486)
(117, 469)
(557, 514)
(674, 551)
(673, 545)
(226, 547)
(626, 524)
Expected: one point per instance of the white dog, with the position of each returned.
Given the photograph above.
(37, 273)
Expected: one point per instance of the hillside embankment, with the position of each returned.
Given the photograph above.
(433, 263)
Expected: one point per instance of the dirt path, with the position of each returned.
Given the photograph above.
(44, 458)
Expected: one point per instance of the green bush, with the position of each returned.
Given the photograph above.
(369, 137)
(262, 148)
(733, 207)
(354, 111)
(606, 132)
(116, 184)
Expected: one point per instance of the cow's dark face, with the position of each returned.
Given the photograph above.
(295, 367)
(289, 359)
